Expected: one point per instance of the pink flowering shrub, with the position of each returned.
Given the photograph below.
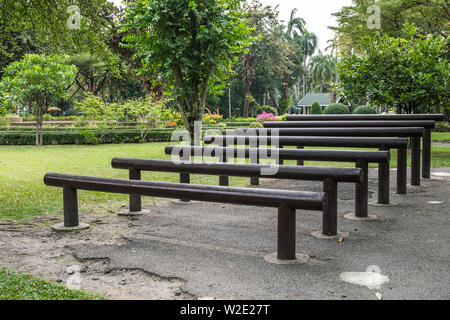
(266, 117)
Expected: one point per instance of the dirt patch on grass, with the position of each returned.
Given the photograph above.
(32, 247)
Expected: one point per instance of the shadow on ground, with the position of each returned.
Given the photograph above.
(217, 250)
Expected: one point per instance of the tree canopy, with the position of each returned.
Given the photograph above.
(36, 82)
(192, 44)
(410, 74)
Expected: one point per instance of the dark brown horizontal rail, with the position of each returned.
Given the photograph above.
(344, 124)
(350, 142)
(341, 132)
(285, 154)
(359, 117)
(241, 170)
(286, 201)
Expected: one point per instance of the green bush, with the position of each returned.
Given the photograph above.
(256, 125)
(47, 117)
(71, 112)
(336, 108)
(83, 137)
(88, 136)
(250, 120)
(316, 108)
(365, 110)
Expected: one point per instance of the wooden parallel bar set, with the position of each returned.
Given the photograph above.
(382, 132)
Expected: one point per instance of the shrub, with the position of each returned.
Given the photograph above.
(84, 137)
(316, 108)
(336, 108)
(243, 119)
(256, 125)
(266, 117)
(47, 117)
(212, 118)
(89, 136)
(268, 109)
(70, 112)
(92, 106)
(365, 110)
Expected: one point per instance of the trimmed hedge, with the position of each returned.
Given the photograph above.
(336, 108)
(365, 110)
(316, 108)
(86, 137)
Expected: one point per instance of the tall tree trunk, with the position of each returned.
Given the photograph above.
(37, 133)
(304, 77)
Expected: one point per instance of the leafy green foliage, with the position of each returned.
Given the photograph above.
(37, 82)
(336, 108)
(191, 44)
(316, 108)
(410, 74)
(429, 16)
(91, 107)
(46, 22)
(86, 136)
(365, 110)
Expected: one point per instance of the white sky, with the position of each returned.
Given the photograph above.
(317, 14)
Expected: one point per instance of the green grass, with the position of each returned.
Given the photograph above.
(19, 286)
(23, 194)
(22, 168)
(440, 136)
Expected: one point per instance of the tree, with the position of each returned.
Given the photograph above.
(59, 25)
(308, 42)
(322, 69)
(429, 16)
(190, 43)
(410, 74)
(36, 82)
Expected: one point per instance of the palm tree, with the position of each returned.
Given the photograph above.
(308, 42)
(333, 45)
(322, 69)
(296, 26)
(295, 23)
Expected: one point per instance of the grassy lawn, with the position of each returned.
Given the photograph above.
(440, 136)
(22, 168)
(19, 286)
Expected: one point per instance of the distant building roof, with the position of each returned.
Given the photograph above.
(324, 99)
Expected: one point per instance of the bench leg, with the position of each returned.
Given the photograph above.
(185, 177)
(224, 180)
(329, 223)
(254, 181)
(70, 203)
(415, 161)
(383, 181)
(426, 153)
(279, 160)
(135, 199)
(401, 171)
(70, 200)
(362, 191)
(300, 162)
(286, 233)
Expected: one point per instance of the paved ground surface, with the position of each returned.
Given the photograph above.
(216, 250)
